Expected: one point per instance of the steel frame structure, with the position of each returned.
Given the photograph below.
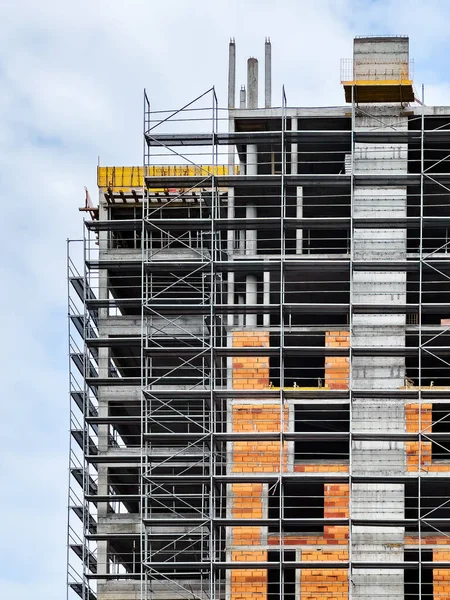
(182, 444)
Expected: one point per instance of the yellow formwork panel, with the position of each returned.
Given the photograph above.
(127, 178)
(190, 170)
(120, 177)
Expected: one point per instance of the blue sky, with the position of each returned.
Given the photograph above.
(71, 81)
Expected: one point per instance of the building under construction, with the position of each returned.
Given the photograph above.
(260, 349)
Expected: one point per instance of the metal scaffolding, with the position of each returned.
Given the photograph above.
(259, 359)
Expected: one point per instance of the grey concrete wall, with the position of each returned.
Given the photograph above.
(378, 458)
(380, 58)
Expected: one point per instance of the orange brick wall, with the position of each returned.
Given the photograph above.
(336, 502)
(320, 468)
(412, 412)
(337, 368)
(441, 577)
(258, 456)
(251, 373)
(249, 584)
(326, 584)
(247, 504)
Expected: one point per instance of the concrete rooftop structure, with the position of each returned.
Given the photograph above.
(260, 349)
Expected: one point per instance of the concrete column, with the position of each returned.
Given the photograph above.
(241, 301)
(251, 287)
(294, 148)
(266, 294)
(242, 97)
(252, 83)
(299, 215)
(252, 159)
(251, 234)
(231, 147)
(250, 209)
(230, 215)
(231, 74)
(378, 458)
(230, 251)
(242, 241)
(268, 74)
(230, 298)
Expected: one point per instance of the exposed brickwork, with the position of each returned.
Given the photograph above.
(429, 540)
(337, 368)
(247, 504)
(310, 540)
(336, 500)
(257, 456)
(247, 500)
(250, 372)
(413, 425)
(320, 468)
(326, 584)
(256, 417)
(253, 373)
(441, 577)
(249, 584)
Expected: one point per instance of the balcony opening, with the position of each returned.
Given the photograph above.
(418, 582)
(330, 419)
(281, 588)
(434, 511)
(440, 448)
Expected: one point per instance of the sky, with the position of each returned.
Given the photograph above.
(72, 76)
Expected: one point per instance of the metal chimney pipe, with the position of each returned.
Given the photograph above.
(252, 83)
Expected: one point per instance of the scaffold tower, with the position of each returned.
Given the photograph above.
(259, 350)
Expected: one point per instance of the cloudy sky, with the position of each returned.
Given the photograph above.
(71, 82)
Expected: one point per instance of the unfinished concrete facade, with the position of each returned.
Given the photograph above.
(259, 346)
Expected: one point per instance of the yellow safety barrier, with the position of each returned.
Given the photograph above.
(127, 178)
(120, 177)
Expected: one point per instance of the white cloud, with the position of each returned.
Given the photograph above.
(72, 75)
